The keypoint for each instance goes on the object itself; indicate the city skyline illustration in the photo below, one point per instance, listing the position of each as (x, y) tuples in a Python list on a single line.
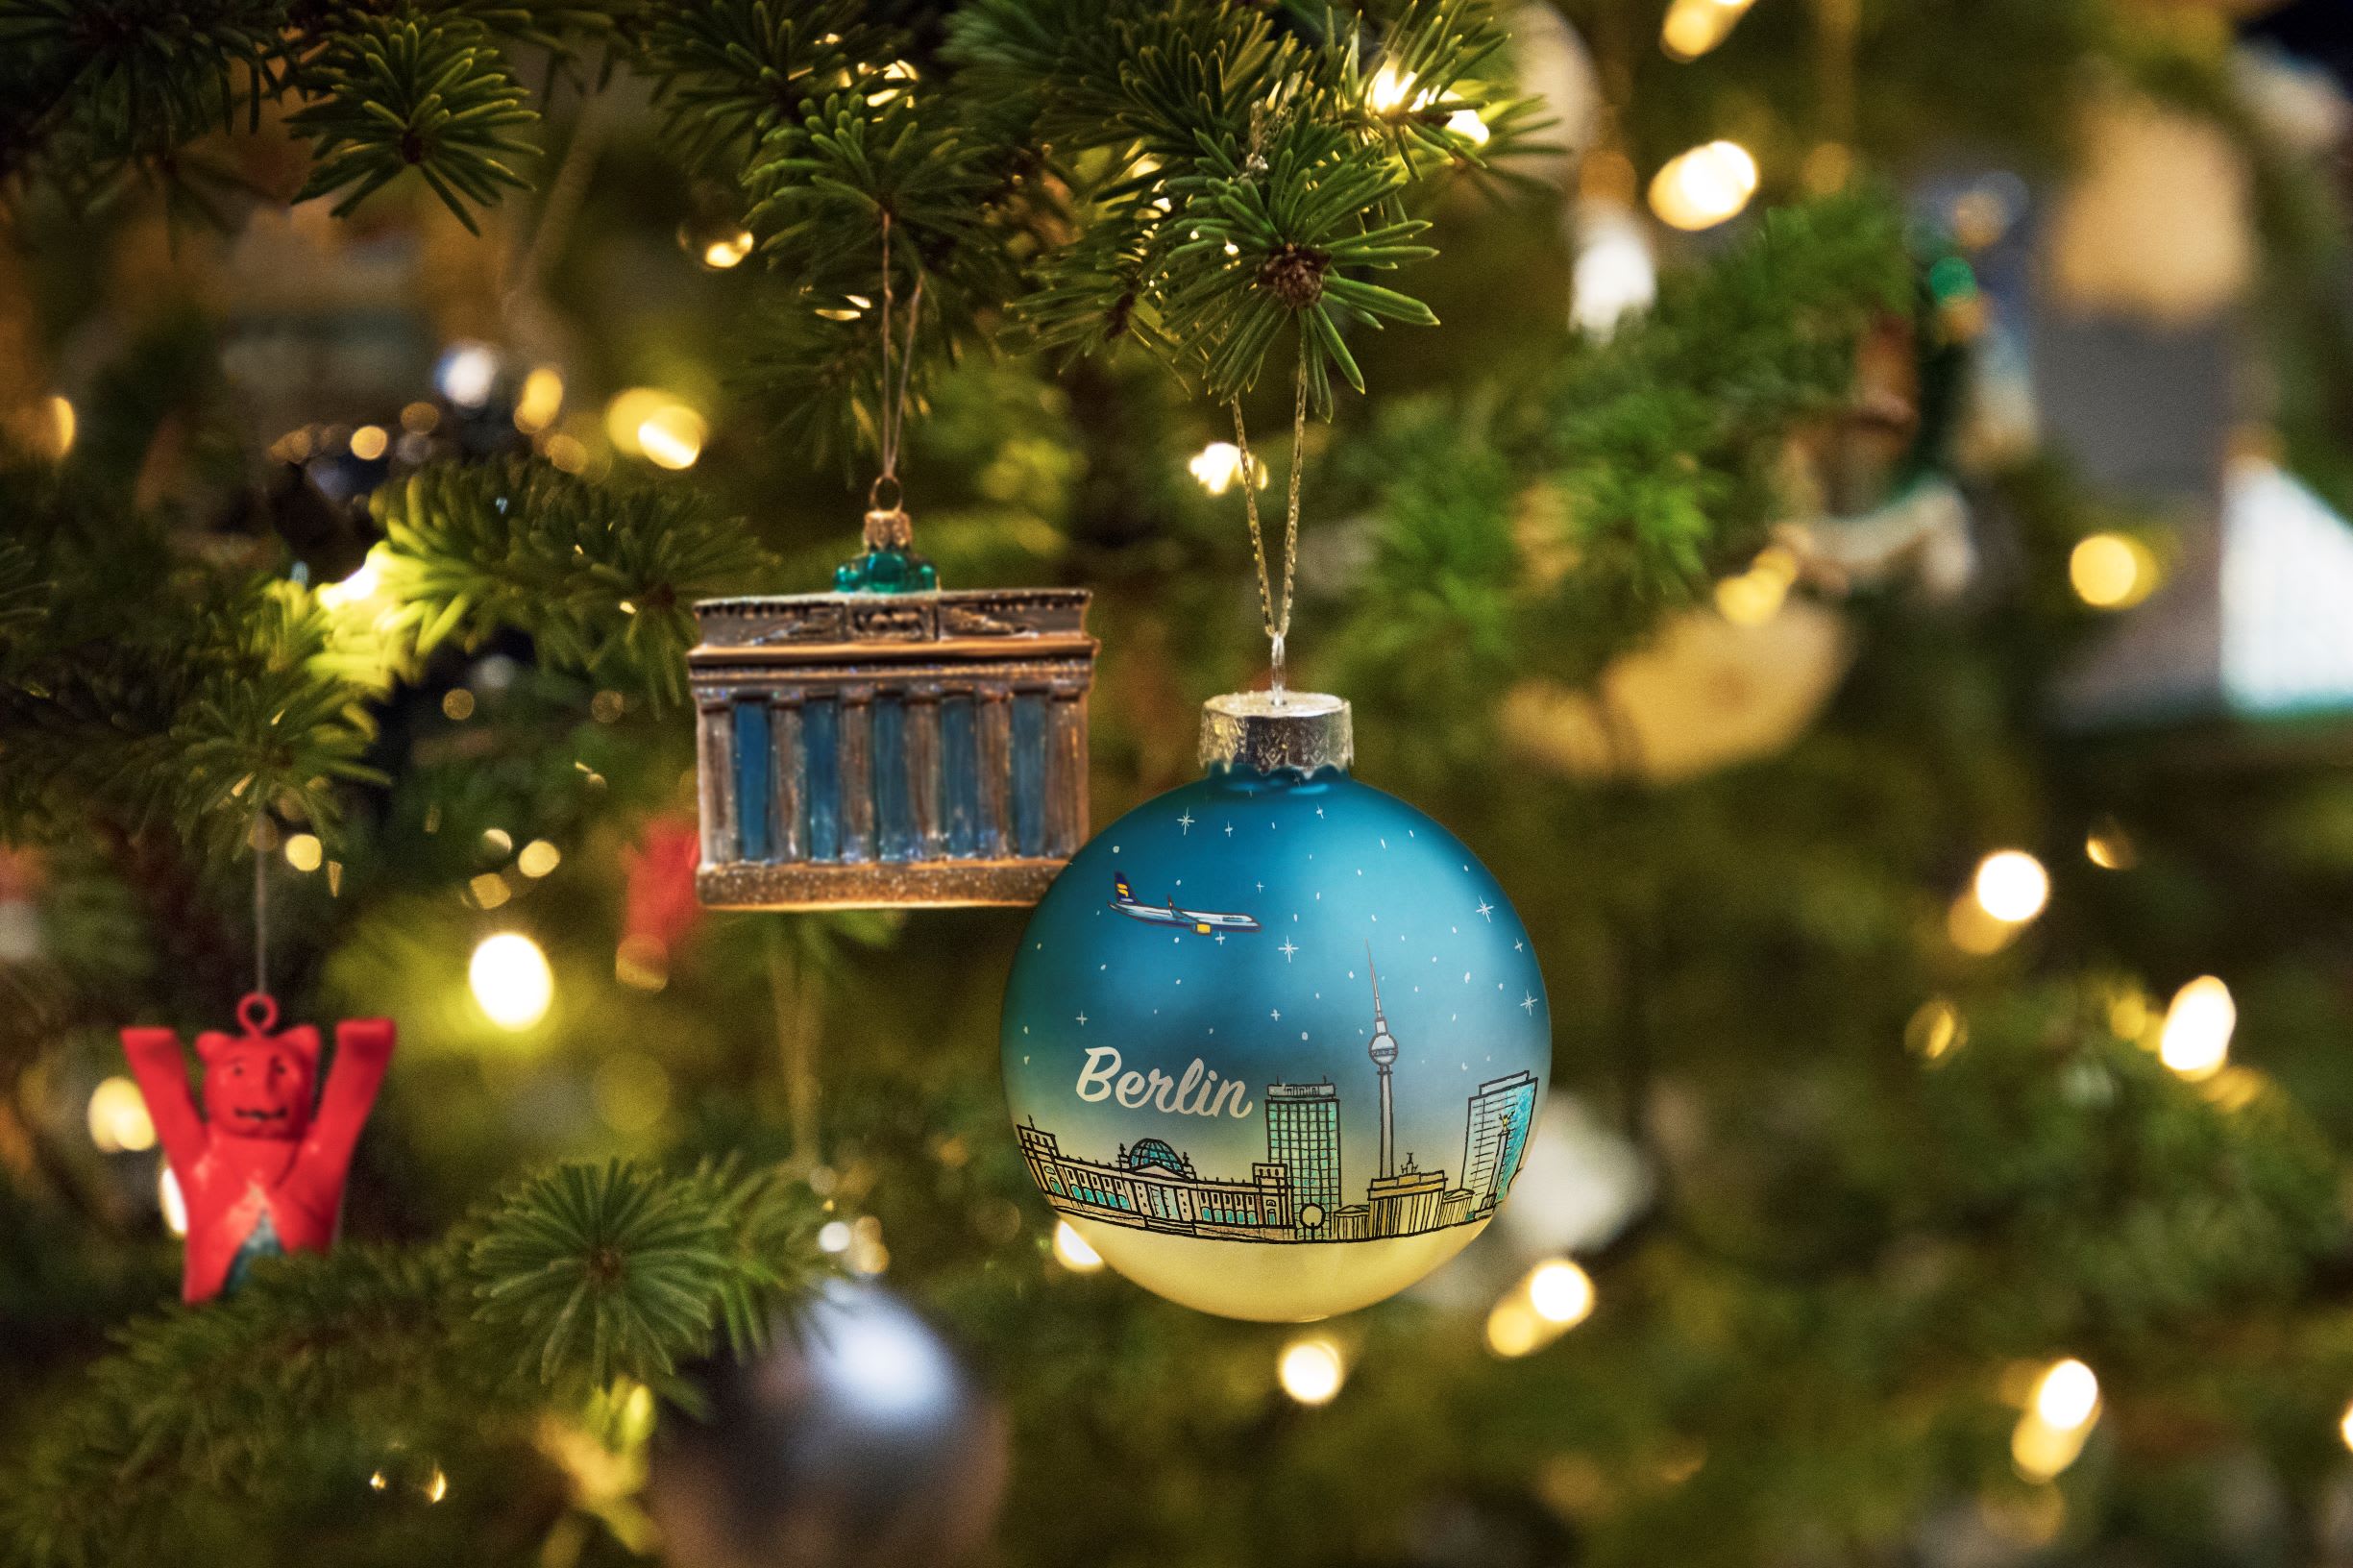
[(1363, 883)]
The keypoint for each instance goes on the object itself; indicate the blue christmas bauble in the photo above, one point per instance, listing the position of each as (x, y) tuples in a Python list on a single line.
[(1275, 1040)]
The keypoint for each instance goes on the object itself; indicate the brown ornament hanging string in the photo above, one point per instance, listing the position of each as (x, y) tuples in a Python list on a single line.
[(259, 841), (1275, 612), (888, 527)]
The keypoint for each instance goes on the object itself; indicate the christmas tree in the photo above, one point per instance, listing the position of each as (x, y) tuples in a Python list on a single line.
[(1837, 505)]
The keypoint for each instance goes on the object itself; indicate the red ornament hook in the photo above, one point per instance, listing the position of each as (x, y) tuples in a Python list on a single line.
[(257, 1011)]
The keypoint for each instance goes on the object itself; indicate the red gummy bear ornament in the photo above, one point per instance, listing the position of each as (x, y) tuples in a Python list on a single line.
[(262, 1170)]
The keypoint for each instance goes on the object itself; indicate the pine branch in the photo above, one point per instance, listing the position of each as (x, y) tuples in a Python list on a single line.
[(170, 697), (413, 91), (728, 73), (87, 87), (1649, 460), (583, 1275), (602, 575)]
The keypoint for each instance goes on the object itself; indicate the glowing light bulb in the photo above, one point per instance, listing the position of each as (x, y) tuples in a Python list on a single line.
[(2108, 847), (2112, 570), (436, 1485), (834, 1236), (168, 1198), (1388, 89), (2011, 886), (361, 588), (1560, 1292), (1703, 187), (2345, 1426), (721, 254), (1466, 124), (118, 1120), (672, 437), (1936, 1030), (628, 411), (1312, 1371), (1072, 1251), (541, 397), (511, 981), (1694, 27), (369, 441), (304, 851), (2068, 1396), (1216, 466), (61, 422), (2197, 1028), (2041, 1451), (1514, 1327), (467, 373), (539, 857)]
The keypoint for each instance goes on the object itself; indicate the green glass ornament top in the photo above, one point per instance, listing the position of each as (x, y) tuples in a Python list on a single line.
[(889, 564)]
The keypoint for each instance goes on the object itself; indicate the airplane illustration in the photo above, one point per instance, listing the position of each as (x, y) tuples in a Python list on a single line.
[(1204, 921)]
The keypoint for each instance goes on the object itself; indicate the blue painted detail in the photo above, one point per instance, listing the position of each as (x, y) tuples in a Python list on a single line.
[(820, 737), (261, 1241), (753, 754), (960, 777), (893, 802), (1029, 772)]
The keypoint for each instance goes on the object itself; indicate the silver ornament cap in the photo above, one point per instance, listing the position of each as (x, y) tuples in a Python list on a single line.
[(1272, 732)]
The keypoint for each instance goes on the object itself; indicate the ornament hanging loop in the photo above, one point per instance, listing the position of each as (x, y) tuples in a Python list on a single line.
[(1275, 611), (261, 839), (258, 1012), (891, 405)]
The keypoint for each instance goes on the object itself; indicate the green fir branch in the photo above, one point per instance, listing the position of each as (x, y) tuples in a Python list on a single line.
[(410, 91), (728, 73), (602, 575), (575, 1277)]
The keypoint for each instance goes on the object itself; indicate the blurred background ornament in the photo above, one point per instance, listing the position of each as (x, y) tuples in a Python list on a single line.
[(1709, 691), (856, 1440), (1285, 1068), (2159, 223)]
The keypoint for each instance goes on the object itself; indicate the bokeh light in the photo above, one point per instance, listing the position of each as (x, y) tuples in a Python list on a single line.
[(541, 400), (1311, 1370), (1560, 1292), (1072, 1251), (169, 1199), (511, 981), (672, 437), (2112, 570), (2011, 886), (1703, 187), (1466, 124), (2068, 1396), (118, 1120), (2197, 1028)]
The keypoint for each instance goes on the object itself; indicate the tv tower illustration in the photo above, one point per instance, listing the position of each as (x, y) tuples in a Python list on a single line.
[(1384, 1052)]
